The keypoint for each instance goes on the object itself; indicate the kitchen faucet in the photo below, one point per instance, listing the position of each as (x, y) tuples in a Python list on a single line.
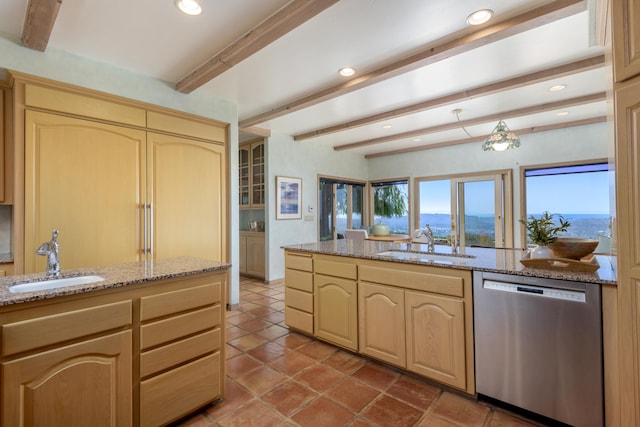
[(51, 250), (428, 233)]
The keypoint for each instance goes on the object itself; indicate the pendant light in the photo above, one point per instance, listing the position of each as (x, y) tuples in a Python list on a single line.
[(501, 138)]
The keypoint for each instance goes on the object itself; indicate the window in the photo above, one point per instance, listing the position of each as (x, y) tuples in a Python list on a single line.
[(580, 193), (472, 206), (341, 205), (390, 200)]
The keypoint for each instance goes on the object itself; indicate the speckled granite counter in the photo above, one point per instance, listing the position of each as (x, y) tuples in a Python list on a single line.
[(115, 276), (496, 260)]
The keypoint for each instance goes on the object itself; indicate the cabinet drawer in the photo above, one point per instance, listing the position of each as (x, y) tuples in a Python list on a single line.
[(176, 327), (173, 394), (299, 280), (56, 328), (299, 319), (299, 261), (337, 269), (165, 357), (298, 299), (179, 300), (430, 282), (83, 105)]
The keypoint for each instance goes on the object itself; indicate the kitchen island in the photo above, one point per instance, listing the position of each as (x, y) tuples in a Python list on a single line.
[(398, 304), (144, 346)]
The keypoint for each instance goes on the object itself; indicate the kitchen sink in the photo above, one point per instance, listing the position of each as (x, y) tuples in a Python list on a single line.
[(44, 285), (440, 258)]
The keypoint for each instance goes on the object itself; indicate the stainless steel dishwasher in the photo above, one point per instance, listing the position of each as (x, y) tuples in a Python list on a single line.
[(538, 346)]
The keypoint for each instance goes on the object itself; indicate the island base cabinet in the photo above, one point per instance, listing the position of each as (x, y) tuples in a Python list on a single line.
[(36, 389), (180, 390), (381, 323), (436, 338)]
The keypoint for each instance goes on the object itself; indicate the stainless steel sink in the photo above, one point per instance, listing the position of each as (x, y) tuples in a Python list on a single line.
[(452, 259), (43, 285)]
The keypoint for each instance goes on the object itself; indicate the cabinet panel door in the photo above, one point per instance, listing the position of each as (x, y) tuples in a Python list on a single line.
[(336, 311), (187, 185), (435, 337), (85, 180), (84, 384), (381, 323), (626, 38), (255, 256)]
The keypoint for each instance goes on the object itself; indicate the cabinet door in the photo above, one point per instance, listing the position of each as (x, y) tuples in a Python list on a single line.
[(336, 311), (626, 38), (435, 337), (84, 384), (187, 186), (255, 256), (84, 179), (243, 177), (381, 323), (257, 174), (243, 254)]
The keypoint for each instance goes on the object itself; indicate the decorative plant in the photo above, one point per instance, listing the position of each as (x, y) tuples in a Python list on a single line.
[(543, 231)]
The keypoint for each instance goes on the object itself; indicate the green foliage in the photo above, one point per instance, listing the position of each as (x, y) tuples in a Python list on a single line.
[(389, 201), (543, 231)]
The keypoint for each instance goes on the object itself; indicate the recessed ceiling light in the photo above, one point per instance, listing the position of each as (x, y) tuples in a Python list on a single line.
[(190, 7), (416, 140), (347, 71), (562, 113), (479, 17), (386, 126), (556, 88)]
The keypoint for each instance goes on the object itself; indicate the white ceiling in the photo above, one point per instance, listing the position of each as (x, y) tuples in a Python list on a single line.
[(153, 38)]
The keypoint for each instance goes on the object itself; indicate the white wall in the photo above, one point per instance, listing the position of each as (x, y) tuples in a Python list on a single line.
[(306, 160), (563, 145)]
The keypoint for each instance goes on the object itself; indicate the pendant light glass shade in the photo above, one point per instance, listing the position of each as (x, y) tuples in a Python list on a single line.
[(500, 139)]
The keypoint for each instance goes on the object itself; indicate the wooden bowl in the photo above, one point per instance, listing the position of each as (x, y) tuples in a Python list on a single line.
[(572, 248)]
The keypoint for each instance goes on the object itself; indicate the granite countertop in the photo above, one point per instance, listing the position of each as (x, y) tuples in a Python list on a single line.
[(483, 259), (115, 276)]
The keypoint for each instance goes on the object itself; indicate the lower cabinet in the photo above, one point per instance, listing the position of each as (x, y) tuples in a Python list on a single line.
[(145, 354), (298, 281), (83, 384), (252, 254)]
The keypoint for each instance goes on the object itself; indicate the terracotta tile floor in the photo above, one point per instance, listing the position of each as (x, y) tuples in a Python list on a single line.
[(281, 378)]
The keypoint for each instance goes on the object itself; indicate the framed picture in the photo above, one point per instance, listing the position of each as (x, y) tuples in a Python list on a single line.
[(288, 197)]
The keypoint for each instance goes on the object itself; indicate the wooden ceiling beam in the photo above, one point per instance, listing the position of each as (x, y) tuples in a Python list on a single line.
[(479, 120), (458, 43), (38, 23), (295, 13), (464, 95), (524, 131)]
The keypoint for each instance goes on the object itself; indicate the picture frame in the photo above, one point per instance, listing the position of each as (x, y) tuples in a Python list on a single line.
[(288, 197)]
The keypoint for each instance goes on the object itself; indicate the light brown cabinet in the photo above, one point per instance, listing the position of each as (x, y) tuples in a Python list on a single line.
[(251, 165), (336, 301), (252, 254), (145, 354), (298, 290), (418, 318), (132, 185)]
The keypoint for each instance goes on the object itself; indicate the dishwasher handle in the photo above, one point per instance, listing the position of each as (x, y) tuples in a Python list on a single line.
[(553, 293)]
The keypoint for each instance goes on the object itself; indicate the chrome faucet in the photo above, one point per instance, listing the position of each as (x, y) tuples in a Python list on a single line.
[(51, 250), (428, 233)]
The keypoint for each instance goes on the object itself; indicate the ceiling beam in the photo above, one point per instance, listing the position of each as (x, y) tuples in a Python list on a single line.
[(479, 120), (257, 131), (524, 131), (464, 95), (295, 13), (460, 42), (38, 23)]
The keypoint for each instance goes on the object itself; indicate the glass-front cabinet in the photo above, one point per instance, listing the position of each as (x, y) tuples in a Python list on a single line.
[(251, 174)]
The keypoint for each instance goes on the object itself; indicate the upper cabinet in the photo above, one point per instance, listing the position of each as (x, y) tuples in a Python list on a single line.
[(121, 181), (251, 163), (6, 148), (626, 38)]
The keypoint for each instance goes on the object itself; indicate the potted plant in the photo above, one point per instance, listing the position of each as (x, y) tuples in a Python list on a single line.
[(544, 231)]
